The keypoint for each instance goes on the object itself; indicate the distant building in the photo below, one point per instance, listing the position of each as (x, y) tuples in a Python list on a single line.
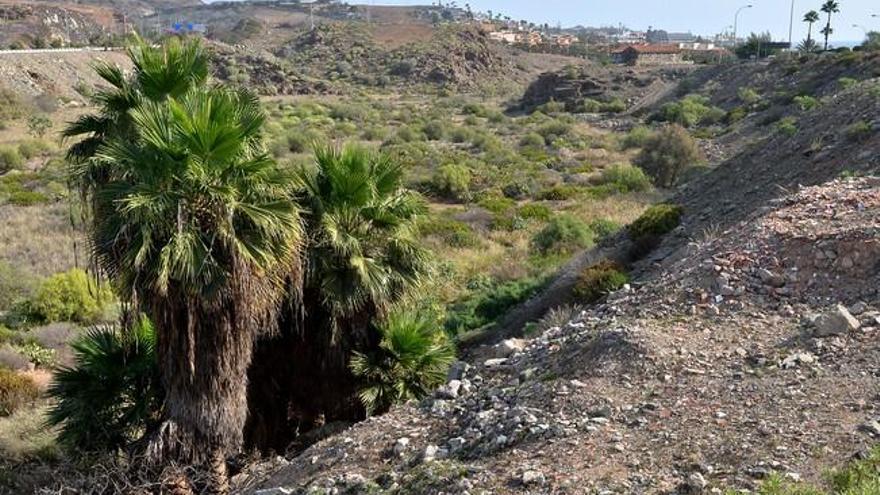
[(649, 54), (698, 46), (659, 36), (564, 40), (509, 37), (631, 38)]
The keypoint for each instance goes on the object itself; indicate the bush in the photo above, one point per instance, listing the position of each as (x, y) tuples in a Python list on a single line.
[(748, 96), (413, 359), (38, 125), (452, 181), (553, 130), (562, 235), (616, 105), (532, 140), (806, 103), (735, 115), (787, 126), (70, 296), (559, 192), (452, 232), (27, 198), (16, 391), (10, 158), (596, 281), (434, 130), (860, 131), (653, 224), (667, 153), (33, 147), (847, 82), (535, 211), (15, 286), (626, 177), (488, 303), (461, 135), (690, 111), (604, 228), (497, 204), (112, 394), (636, 137)]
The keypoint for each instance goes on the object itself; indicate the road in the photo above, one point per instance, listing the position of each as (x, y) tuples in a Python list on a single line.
[(59, 50)]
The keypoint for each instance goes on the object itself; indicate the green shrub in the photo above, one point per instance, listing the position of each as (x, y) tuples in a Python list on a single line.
[(748, 96), (596, 281), (860, 131), (666, 155), (497, 204), (616, 105), (551, 107), (33, 147), (15, 286), (604, 228), (452, 232), (412, 360), (658, 220), (70, 296), (626, 177), (111, 395), (488, 303), (452, 181), (554, 129), (562, 235), (434, 130), (590, 105), (407, 134), (735, 115), (461, 135), (787, 126), (38, 125), (474, 109), (690, 111), (559, 192), (27, 198), (532, 140), (10, 158), (535, 211), (806, 103), (847, 82), (37, 354), (16, 391), (636, 137)]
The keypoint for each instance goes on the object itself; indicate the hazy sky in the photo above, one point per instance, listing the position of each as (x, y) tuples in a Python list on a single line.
[(699, 16)]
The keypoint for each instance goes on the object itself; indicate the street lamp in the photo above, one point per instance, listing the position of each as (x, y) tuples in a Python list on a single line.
[(791, 25), (736, 21)]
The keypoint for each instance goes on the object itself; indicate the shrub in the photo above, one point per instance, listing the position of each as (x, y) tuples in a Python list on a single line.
[(10, 158), (748, 96), (666, 154), (562, 235), (847, 82), (860, 131), (517, 189), (554, 129), (806, 103), (33, 147), (596, 281), (37, 354), (532, 140), (735, 115), (535, 211), (559, 192), (461, 135), (604, 228), (474, 109), (689, 111), (15, 286), (434, 130), (551, 107), (413, 358), (16, 391), (452, 232), (70, 296), (27, 198), (616, 105), (497, 204), (452, 181), (787, 126), (626, 178), (38, 125), (636, 137), (658, 220), (488, 303), (112, 394)]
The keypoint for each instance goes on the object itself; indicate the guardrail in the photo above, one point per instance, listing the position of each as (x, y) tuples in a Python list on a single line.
[(28, 51)]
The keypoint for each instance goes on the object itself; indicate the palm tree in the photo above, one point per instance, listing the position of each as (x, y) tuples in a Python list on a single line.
[(362, 256), (811, 18), (196, 227), (413, 359), (829, 7)]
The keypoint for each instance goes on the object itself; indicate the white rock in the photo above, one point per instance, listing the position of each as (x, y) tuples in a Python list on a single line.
[(430, 453), (274, 491), (696, 483), (449, 391), (494, 363), (836, 322), (456, 444), (509, 347), (531, 477), (401, 445)]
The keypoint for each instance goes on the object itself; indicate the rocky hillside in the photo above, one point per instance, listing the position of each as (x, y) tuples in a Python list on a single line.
[(744, 348)]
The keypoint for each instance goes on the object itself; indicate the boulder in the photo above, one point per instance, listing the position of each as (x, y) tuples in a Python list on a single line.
[(837, 321)]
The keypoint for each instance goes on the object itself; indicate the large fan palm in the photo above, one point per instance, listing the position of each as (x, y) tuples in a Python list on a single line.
[(362, 257), (195, 225), (811, 18), (830, 7)]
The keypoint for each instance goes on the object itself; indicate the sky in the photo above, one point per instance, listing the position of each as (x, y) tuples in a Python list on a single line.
[(699, 16)]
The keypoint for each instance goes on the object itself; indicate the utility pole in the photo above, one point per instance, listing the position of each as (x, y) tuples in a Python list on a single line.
[(791, 26), (736, 22), (312, 15)]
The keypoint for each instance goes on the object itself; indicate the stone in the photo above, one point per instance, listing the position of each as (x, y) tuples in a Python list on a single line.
[(494, 363), (401, 445), (770, 278), (696, 483), (430, 453), (532, 477), (858, 308), (274, 491), (871, 427), (457, 370), (449, 391), (456, 444), (835, 322), (798, 358), (509, 347)]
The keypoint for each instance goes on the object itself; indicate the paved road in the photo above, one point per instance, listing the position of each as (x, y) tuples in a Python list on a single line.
[(59, 50)]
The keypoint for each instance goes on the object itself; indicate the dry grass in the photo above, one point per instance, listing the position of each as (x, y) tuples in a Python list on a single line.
[(24, 435), (37, 239)]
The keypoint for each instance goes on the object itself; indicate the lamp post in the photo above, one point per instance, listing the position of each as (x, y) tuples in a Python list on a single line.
[(736, 22)]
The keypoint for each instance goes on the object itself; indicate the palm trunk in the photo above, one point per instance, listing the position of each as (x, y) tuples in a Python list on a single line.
[(301, 378), (809, 33), (828, 31)]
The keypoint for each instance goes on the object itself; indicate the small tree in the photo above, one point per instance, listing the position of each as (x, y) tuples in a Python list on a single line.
[(38, 125), (666, 155)]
